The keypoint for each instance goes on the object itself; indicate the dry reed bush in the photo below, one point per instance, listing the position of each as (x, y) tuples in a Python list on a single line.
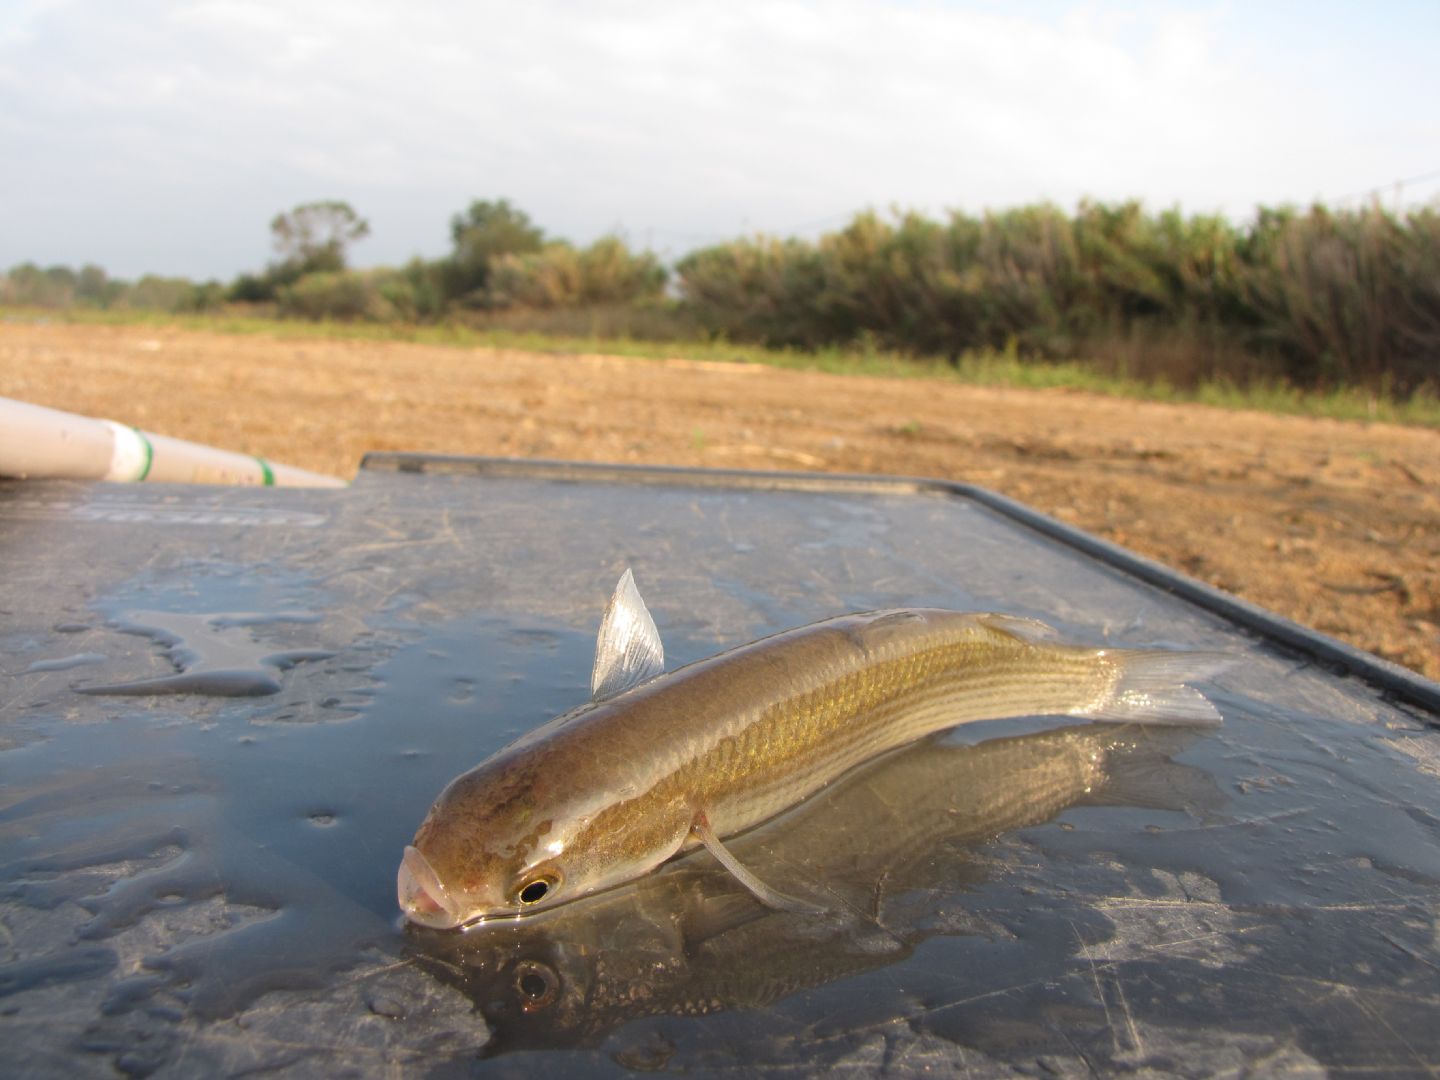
[(1322, 299)]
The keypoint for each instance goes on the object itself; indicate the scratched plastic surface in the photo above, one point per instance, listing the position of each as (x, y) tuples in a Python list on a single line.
[(224, 713)]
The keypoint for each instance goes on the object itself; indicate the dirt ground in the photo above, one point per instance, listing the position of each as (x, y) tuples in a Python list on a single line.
[(1333, 524)]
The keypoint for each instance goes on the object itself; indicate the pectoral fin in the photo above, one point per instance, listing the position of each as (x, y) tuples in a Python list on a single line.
[(628, 650), (702, 831)]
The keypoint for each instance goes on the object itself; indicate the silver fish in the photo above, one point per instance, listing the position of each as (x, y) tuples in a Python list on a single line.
[(655, 764), (895, 848)]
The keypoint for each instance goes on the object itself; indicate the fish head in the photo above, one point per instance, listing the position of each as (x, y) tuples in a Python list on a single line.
[(506, 839)]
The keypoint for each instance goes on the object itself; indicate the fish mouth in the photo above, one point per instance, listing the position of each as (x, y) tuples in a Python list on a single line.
[(422, 897)]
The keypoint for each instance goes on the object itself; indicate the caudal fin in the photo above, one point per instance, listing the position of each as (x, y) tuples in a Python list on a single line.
[(1152, 687)]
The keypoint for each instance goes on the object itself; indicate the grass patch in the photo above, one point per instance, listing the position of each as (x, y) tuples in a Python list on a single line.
[(995, 369)]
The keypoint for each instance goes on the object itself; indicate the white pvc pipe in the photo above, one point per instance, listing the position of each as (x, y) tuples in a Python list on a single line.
[(36, 442)]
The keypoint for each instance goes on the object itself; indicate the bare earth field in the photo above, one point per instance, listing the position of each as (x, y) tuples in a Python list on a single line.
[(1333, 524)]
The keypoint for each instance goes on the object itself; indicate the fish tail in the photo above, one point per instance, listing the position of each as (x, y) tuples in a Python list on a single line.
[(1152, 687)]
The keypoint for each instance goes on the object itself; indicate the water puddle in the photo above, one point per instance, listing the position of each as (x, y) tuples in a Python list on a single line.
[(232, 859), (214, 654)]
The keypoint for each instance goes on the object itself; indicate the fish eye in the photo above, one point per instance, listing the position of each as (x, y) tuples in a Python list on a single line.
[(536, 889), (537, 985)]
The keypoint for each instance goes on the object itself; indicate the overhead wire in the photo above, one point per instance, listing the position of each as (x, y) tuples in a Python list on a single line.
[(1399, 185)]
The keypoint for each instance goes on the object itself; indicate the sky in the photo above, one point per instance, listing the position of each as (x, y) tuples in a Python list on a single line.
[(159, 137)]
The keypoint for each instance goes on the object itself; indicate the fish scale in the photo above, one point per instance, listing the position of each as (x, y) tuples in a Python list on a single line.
[(798, 745)]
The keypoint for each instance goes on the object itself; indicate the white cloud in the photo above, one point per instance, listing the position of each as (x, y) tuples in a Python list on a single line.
[(676, 121)]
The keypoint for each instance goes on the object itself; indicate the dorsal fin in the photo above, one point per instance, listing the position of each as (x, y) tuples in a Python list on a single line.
[(628, 650), (1018, 626)]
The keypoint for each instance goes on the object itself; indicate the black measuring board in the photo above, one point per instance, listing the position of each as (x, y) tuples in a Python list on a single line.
[(199, 879)]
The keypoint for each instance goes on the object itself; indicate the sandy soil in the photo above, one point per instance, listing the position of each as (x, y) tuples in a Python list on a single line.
[(1333, 524)]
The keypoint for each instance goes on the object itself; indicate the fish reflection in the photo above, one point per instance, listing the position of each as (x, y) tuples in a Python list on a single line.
[(886, 852)]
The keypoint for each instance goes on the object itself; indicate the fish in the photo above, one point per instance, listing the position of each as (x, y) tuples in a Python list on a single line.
[(898, 848), (659, 763)]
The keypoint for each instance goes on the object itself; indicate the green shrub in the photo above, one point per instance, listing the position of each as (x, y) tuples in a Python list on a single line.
[(763, 289), (1323, 299), (30, 285), (155, 293), (558, 275), (610, 273), (1347, 297), (345, 296), (547, 278)]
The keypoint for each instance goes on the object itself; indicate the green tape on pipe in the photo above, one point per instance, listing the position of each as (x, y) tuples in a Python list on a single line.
[(149, 455)]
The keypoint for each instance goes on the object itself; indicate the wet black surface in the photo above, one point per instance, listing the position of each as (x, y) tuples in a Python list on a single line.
[(197, 877)]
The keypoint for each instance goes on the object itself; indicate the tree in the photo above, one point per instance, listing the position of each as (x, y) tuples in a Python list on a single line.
[(314, 236), (486, 231), (94, 286)]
